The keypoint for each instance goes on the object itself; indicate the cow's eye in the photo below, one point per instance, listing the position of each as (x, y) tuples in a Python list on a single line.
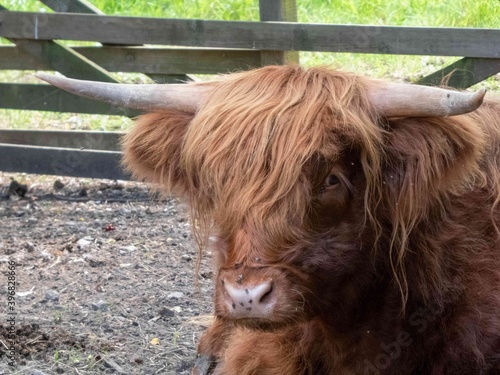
[(329, 183), (332, 180)]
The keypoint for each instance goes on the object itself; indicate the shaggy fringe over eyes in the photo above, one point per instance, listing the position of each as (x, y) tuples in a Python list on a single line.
[(241, 160), (245, 151)]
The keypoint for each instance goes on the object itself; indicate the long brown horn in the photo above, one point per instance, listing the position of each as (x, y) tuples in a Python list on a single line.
[(149, 97), (405, 100)]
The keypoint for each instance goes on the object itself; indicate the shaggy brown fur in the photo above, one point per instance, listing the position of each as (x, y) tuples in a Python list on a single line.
[(390, 267)]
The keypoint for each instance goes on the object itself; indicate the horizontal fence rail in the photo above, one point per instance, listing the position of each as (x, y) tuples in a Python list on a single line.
[(62, 162), (279, 36), (72, 153), (145, 59), (91, 140), (27, 96)]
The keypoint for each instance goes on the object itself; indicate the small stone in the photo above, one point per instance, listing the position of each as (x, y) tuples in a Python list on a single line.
[(82, 228), (104, 186), (36, 372), (19, 213), (100, 305), (17, 189), (51, 295), (29, 247), (171, 242), (175, 295), (186, 257), (129, 248), (10, 251), (95, 262), (166, 312), (84, 242), (99, 288), (58, 185)]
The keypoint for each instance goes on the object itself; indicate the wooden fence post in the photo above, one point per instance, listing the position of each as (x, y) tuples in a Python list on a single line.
[(278, 10)]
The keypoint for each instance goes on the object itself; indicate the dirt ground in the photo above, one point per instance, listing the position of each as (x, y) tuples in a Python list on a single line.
[(104, 279)]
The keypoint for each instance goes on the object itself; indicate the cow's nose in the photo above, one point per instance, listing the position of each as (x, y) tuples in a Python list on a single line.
[(249, 301)]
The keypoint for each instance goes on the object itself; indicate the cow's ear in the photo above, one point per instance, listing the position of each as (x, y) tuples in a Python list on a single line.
[(426, 161), (152, 149)]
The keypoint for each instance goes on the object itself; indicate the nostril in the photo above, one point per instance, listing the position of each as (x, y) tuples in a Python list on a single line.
[(261, 292), (266, 295)]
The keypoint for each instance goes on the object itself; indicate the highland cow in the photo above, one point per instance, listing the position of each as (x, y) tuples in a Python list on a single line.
[(356, 220)]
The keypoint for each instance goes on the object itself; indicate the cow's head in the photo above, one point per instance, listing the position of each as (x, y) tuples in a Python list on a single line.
[(295, 175)]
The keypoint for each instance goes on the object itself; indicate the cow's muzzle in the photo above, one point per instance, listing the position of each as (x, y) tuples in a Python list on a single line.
[(259, 297), (248, 299)]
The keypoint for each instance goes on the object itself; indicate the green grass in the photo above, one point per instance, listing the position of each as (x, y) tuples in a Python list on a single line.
[(449, 13), (445, 13)]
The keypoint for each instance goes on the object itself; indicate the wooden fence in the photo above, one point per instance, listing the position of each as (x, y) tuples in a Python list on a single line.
[(138, 45)]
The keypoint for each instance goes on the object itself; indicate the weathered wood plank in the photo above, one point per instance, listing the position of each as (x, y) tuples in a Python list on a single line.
[(464, 73), (146, 60), (171, 61), (62, 162), (72, 6), (253, 35), (55, 56), (12, 58), (89, 140), (80, 6), (281, 11), (47, 98)]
